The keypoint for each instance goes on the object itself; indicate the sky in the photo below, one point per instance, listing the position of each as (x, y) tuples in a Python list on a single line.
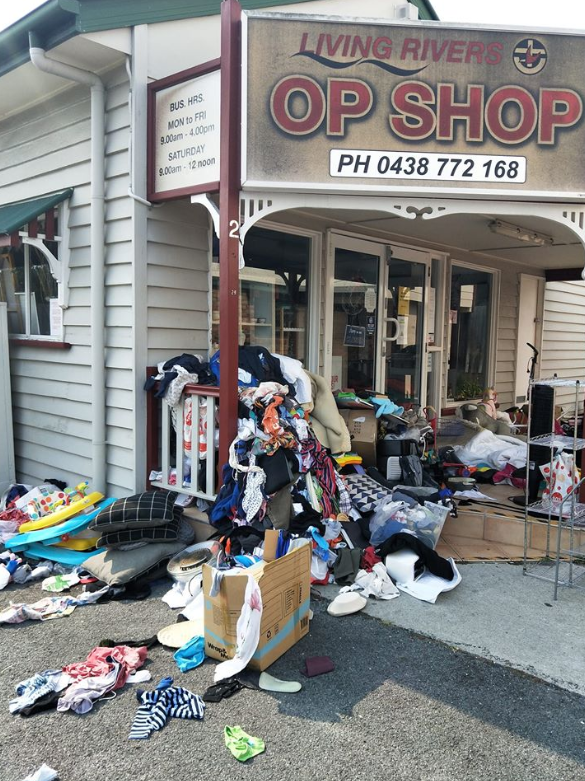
[(564, 14), (568, 14)]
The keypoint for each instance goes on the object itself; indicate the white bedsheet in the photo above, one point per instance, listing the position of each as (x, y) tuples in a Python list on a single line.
[(494, 450)]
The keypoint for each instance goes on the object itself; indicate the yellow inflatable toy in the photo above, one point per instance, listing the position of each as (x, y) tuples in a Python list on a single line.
[(62, 514)]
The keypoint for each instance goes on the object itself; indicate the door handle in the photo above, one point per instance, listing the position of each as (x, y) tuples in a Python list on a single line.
[(395, 322)]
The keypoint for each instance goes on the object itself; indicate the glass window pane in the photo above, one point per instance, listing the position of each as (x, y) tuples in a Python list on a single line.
[(43, 290), (353, 363), (405, 301), (274, 292), (469, 323), (12, 288)]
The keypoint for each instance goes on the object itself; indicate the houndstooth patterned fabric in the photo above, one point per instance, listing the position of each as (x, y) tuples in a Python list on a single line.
[(365, 493)]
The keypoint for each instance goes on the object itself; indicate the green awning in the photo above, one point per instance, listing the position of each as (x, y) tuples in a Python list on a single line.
[(16, 215)]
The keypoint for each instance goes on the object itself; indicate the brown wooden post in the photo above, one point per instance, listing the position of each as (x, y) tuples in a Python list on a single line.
[(50, 225), (33, 229), (229, 224)]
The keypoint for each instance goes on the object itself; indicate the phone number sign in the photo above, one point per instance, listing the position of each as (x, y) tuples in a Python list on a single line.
[(337, 105), (431, 166)]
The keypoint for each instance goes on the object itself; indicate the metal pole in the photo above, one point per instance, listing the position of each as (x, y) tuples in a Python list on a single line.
[(229, 223)]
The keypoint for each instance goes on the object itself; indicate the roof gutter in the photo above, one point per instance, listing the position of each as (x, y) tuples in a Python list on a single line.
[(97, 249)]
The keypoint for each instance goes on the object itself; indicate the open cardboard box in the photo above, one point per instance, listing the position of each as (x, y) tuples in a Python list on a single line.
[(363, 431), (285, 587)]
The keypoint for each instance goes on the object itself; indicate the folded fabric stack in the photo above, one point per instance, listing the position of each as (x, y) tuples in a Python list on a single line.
[(139, 535)]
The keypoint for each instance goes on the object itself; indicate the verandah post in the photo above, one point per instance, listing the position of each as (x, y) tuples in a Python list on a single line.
[(229, 223)]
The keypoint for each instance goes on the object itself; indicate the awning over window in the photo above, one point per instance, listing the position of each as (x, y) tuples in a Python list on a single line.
[(14, 216)]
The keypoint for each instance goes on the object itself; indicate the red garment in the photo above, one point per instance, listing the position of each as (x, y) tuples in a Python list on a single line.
[(369, 558), (14, 515), (97, 663), (505, 474)]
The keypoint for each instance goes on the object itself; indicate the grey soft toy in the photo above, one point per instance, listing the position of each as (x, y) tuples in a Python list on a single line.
[(473, 413)]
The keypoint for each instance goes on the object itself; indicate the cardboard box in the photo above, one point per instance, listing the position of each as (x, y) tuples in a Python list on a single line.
[(363, 430), (285, 586)]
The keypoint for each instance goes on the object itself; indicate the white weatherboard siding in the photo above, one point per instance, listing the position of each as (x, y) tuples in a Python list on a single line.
[(44, 149), (178, 281), (507, 329), (563, 335)]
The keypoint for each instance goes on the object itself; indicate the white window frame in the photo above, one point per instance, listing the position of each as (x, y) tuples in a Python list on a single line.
[(493, 326), (59, 268)]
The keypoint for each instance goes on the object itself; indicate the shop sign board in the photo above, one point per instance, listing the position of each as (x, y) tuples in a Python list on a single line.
[(184, 133), (375, 106), (355, 336)]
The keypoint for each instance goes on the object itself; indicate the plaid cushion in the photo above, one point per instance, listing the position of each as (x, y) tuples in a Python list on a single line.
[(365, 492), (151, 508), (169, 532)]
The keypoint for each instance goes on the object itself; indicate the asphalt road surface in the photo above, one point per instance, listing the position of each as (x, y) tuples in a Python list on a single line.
[(397, 707)]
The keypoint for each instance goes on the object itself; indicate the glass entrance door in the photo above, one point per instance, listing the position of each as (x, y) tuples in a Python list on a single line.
[(403, 345), (383, 321), (354, 328)]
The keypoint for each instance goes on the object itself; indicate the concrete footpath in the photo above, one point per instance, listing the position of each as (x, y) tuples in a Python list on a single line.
[(501, 615)]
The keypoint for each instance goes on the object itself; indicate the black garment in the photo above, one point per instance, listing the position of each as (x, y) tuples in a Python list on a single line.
[(376, 475), (261, 364), (280, 469), (136, 590), (60, 484), (46, 702), (245, 679), (240, 540), (190, 363), (222, 690), (435, 564), (307, 517), (300, 523), (412, 473)]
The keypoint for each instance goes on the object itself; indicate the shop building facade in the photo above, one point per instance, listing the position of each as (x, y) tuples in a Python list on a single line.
[(427, 289)]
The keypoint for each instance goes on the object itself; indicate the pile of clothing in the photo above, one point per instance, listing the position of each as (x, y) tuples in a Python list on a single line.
[(76, 687), (256, 365), (280, 475)]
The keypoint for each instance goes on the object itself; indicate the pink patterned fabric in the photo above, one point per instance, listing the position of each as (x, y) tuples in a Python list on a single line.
[(97, 663)]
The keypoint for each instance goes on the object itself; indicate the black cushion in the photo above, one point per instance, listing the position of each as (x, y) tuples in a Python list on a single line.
[(168, 532), (151, 508)]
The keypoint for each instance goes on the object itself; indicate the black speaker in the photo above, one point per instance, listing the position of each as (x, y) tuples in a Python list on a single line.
[(541, 422)]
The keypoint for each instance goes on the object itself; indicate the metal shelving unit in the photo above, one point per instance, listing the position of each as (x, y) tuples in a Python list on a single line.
[(565, 516)]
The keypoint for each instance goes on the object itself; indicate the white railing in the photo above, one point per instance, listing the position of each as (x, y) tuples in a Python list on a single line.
[(192, 428)]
